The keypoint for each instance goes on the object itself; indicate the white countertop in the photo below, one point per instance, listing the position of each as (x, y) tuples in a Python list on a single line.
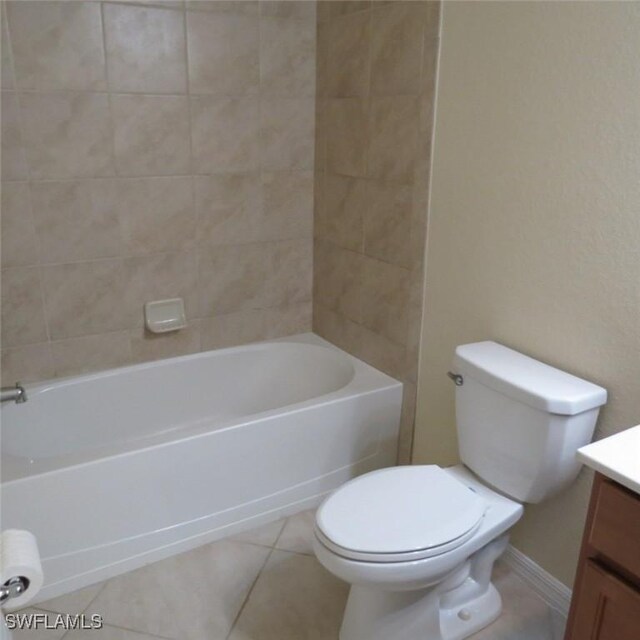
[(617, 457)]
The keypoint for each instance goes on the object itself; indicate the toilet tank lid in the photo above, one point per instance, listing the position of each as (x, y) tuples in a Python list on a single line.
[(527, 380)]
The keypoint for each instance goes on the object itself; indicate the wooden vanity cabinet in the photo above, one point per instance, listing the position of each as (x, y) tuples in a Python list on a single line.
[(606, 593)]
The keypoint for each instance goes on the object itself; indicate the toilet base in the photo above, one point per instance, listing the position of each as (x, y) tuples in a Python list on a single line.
[(482, 612), (459, 606)]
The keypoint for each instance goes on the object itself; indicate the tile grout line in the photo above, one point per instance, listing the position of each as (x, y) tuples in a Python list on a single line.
[(284, 524), (246, 599), (274, 548), (21, 129), (158, 254), (197, 246), (106, 624), (130, 329), (249, 592), (114, 160), (144, 635), (100, 590)]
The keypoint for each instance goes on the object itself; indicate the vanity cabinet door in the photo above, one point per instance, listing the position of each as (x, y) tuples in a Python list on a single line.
[(606, 607)]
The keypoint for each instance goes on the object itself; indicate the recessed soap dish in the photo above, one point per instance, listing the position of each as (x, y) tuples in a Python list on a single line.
[(161, 316)]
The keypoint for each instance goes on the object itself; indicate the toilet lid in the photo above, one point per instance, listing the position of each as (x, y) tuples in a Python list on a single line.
[(419, 511)]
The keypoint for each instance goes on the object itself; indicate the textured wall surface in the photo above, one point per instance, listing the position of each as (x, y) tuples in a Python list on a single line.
[(534, 229), (153, 150), (375, 88)]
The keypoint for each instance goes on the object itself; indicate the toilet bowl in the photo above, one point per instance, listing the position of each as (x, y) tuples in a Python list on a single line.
[(417, 582), (418, 543)]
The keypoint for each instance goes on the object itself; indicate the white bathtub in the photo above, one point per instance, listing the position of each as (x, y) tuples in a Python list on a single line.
[(117, 469)]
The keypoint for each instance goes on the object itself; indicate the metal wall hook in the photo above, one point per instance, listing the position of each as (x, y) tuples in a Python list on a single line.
[(456, 377)]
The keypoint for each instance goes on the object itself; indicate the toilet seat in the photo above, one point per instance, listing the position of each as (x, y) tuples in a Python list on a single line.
[(399, 514)]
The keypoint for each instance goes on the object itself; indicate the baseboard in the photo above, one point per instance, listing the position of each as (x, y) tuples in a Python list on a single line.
[(551, 590)]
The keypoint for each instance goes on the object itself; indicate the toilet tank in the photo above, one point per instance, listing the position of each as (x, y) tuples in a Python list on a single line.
[(520, 422)]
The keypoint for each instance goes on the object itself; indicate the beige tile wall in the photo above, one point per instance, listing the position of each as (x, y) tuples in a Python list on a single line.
[(152, 150), (376, 64)]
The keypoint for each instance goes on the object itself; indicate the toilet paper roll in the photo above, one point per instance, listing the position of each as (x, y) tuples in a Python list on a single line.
[(19, 556)]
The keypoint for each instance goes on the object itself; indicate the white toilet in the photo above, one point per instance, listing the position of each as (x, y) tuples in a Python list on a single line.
[(418, 543)]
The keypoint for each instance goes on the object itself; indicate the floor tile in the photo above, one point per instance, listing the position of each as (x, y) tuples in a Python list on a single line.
[(265, 535), (74, 602), (197, 596), (192, 596), (297, 534), (108, 633), (294, 598)]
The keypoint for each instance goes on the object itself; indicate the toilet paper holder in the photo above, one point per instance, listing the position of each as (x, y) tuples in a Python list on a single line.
[(13, 588)]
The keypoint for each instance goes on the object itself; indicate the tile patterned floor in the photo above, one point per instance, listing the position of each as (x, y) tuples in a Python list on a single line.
[(261, 585)]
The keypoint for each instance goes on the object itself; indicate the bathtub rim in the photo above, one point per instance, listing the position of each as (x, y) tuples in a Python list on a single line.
[(366, 379)]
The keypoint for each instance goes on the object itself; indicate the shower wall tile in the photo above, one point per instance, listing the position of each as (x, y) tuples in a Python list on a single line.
[(432, 24), (290, 272), (380, 352), (223, 53), (323, 11), (57, 45), (229, 208), (288, 205), (319, 198), (396, 48), (14, 161), (348, 55), (156, 214), (385, 299), (414, 320), (346, 205), (30, 363), (407, 418), (336, 328), (158, 277), (7, 77), (231, 329), (22, 312), (161, 4), (338, 280), (342, 7), (287, 57), (375, 71), (225, 134), (347, 136), (301, 9), (80, 355), (76, 220), (146, 49), (393, 138), (146, 346), (84, 298), (67, 135), (388, 221), (232, 278), (288, 320), (151, 134), (287, 128), (19, 244), (153, 149), (247, 7), (322, 49)]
